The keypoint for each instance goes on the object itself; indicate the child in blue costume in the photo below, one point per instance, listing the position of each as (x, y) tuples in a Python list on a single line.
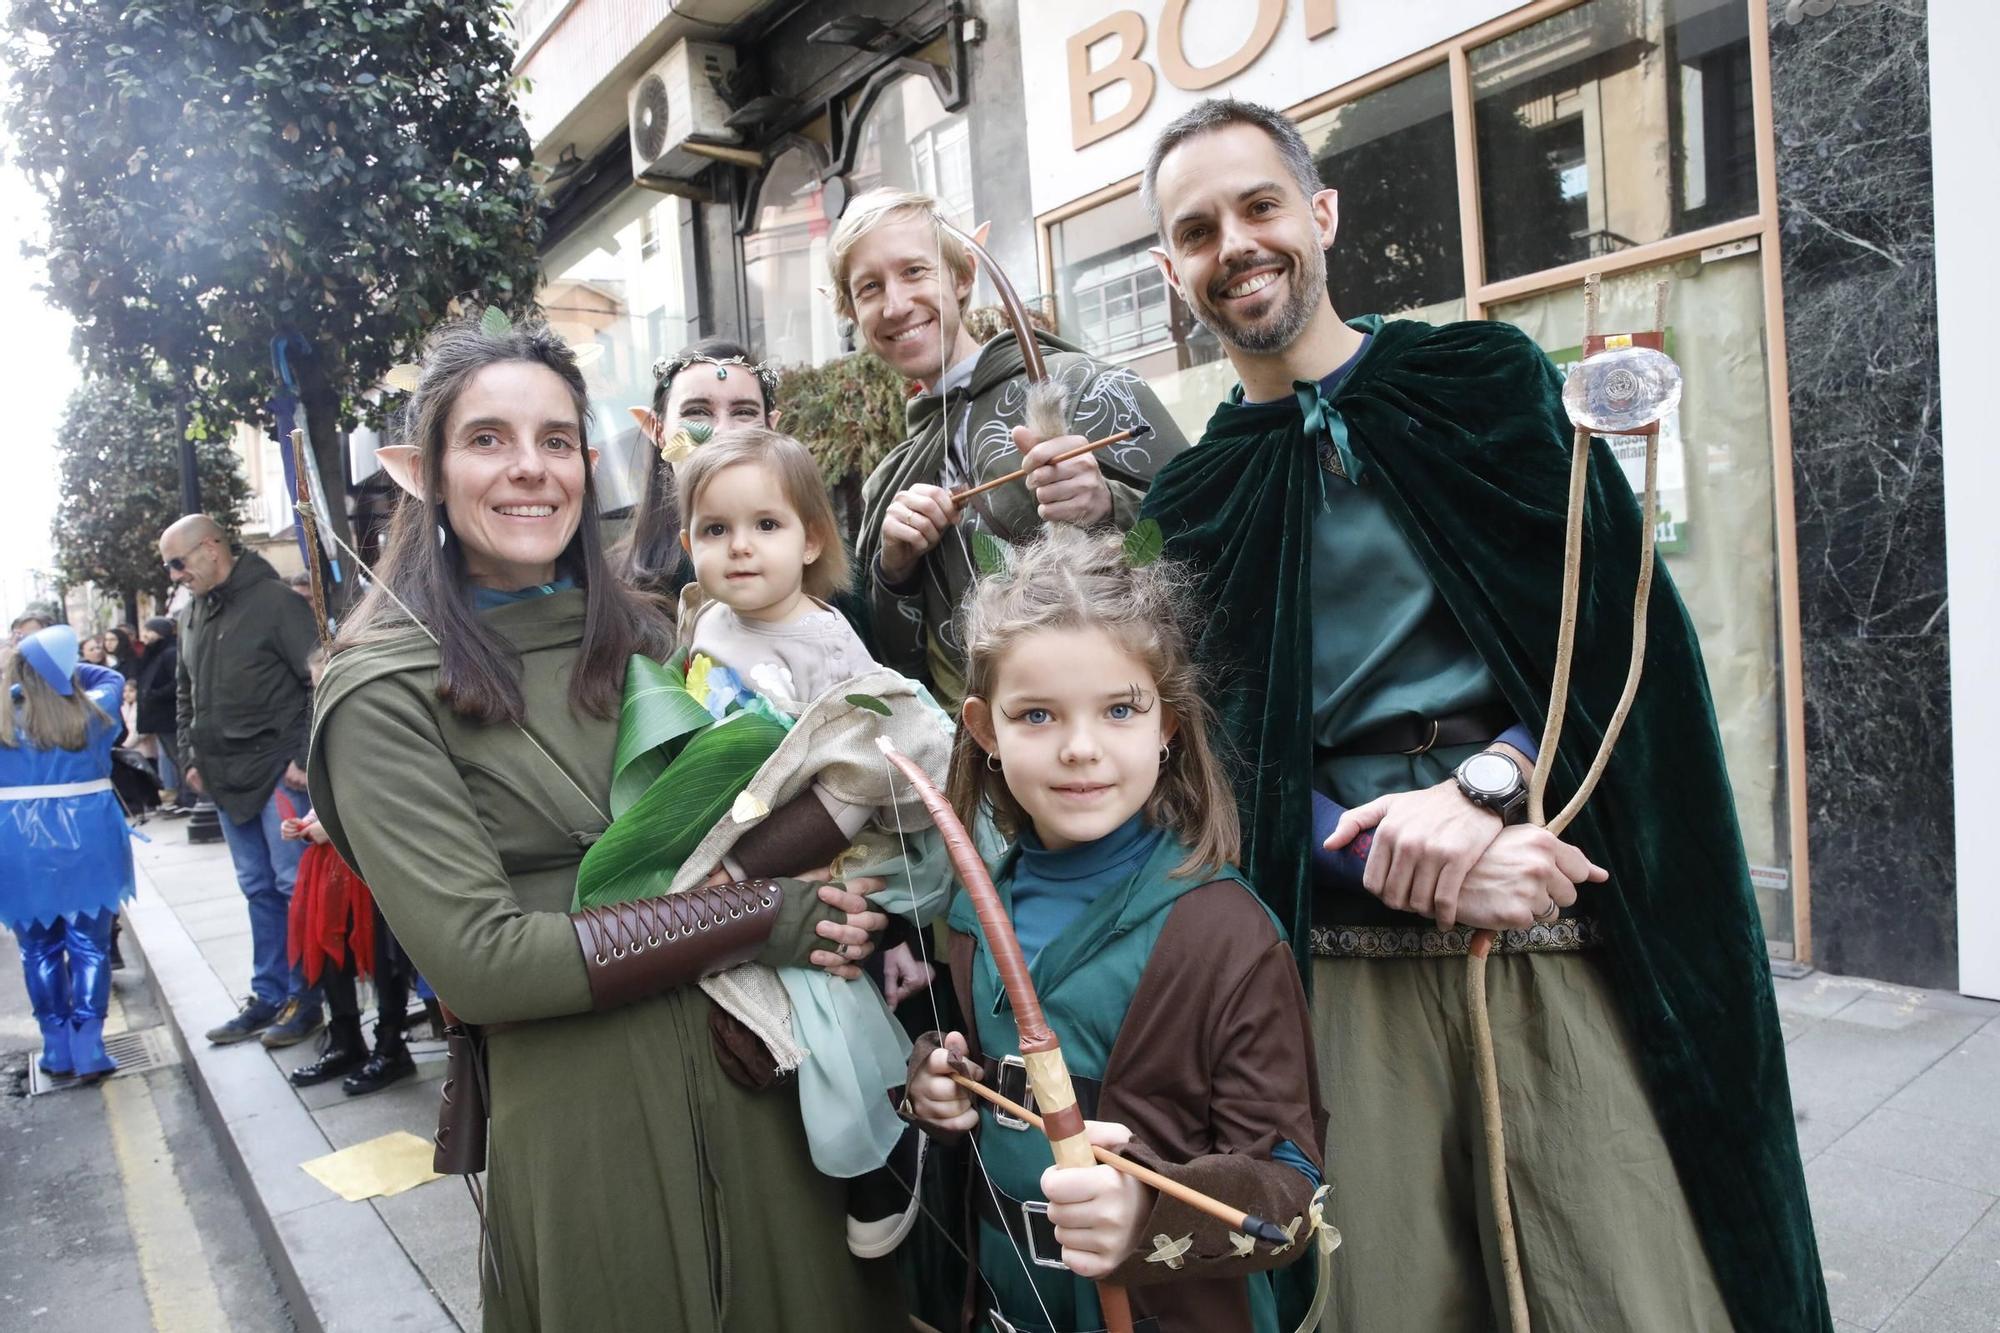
[(65, 850), (1181, 1015)]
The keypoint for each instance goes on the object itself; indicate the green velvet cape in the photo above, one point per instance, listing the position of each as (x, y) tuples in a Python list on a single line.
[(1462, 429)]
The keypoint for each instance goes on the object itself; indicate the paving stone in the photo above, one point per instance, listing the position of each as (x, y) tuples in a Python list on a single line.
[(439, 1228), (1920, 1315), (410, 1105), (1865, 1279), (1841, 1071), (1963, 1086), (1892, 1208), (1967, 1283), (349, 1263), (1942, 1150), (1817, 996)]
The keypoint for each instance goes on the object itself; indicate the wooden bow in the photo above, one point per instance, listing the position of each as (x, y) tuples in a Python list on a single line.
[(1047, 413), (1048, 1075)]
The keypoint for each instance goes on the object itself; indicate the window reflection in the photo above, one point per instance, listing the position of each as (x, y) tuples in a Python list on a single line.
[(1390, 156), (1613, 124), (613, 290)]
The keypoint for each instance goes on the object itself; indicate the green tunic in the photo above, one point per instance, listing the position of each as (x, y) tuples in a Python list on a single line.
[(632, 1185)]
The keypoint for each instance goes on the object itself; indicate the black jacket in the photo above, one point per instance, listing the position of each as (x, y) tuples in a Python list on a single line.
[(244, 696), (158, 688)]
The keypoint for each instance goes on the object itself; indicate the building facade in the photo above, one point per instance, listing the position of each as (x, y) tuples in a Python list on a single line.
[(1771, 161)]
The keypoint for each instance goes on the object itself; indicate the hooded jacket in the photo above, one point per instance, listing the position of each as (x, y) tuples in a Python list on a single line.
[(243, 693), (964, 437)]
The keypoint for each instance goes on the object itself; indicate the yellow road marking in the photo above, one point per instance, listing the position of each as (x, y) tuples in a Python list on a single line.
[(174, 1270)]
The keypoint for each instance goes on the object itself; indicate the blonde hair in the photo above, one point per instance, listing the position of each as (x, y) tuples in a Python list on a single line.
[(50, 721), (876, 208), (1068, 579), (798, 477)]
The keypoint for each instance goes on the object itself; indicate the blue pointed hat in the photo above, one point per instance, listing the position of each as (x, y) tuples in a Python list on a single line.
[(53, 653)]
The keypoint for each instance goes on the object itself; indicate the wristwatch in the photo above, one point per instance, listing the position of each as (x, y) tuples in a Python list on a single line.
[(1491, 781)]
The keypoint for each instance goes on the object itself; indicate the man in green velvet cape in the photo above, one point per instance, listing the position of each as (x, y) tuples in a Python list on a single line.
[(1376, 523)]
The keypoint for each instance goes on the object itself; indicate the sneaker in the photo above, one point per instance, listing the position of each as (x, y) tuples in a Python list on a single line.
[(253, 1018), (295, 1022), (176, 811), (389, 1064), (882, 1205)]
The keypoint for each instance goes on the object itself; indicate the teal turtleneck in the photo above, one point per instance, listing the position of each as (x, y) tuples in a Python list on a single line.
[(488, 599), (1052, 888)]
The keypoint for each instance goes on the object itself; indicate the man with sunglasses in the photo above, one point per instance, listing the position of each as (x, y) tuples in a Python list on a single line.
[(244, 698)]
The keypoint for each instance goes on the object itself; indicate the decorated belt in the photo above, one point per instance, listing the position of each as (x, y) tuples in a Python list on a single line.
[(55, 789), (1565, 935)]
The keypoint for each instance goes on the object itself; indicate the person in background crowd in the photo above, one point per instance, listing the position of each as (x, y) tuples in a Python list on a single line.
[(134, 776), (243, 704), (26, 624), (65, 851), (301, 584), (158, 666), (91, 649), (120, 653)]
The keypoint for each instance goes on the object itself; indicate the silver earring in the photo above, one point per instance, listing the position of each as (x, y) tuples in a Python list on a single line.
[(1166, 753), (992, 762)]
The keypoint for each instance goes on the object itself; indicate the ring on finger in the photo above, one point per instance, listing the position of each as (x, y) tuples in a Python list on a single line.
[(1549, 913)]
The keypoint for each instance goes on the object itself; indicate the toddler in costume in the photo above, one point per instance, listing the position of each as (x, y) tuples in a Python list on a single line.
[(767, 554), (1182, 1019)]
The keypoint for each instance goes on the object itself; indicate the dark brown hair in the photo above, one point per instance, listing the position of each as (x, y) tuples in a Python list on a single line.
[(1068, 579), (650, 556), (479, 673)]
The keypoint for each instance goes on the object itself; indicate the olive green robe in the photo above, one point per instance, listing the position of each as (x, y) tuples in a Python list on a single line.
[(631, 1184)]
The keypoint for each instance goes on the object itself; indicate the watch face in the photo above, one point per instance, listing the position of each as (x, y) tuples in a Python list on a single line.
[(1491, 774)]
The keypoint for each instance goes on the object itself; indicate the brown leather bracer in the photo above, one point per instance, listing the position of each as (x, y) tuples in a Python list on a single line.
[(640, 948)]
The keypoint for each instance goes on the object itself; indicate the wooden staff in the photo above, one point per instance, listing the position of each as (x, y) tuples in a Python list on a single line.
[(1118, 437), (1248, 1223)]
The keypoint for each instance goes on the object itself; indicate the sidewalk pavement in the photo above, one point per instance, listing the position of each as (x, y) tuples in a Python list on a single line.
[(1897, 1095)]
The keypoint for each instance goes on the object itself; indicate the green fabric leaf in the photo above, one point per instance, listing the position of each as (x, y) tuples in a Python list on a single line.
[(988, 554), (1143, 544), (657, 712), (494, 323), (871, 703), (640, 853)]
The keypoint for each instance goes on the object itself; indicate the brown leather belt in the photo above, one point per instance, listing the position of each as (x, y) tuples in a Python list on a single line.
[(1419, 735)]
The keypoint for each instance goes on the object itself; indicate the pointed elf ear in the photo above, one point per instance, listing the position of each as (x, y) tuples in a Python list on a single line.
[(980, 232), (649, 424), (404, 464)]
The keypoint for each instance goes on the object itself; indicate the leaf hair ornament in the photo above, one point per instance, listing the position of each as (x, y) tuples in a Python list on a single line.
[(680, 446)]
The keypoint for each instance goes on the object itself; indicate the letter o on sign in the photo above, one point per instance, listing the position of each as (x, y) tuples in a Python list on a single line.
[(1173, 56)]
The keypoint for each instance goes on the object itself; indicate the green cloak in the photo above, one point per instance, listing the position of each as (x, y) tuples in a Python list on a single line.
[(1462, 428)]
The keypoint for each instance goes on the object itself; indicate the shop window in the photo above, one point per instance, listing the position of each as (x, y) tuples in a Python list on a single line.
[(1717, 529), (1391, 157), (1613, 124), (614, 296), (909, 141), (1398, 253)]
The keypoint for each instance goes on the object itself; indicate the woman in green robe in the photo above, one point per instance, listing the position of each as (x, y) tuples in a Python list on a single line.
[(461, 761)]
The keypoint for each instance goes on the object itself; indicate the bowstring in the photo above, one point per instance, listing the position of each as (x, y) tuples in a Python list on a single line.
[(305, 511), (972, 1135)]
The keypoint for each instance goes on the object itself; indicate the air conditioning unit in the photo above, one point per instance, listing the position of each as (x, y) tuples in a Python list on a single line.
[(677, 103)]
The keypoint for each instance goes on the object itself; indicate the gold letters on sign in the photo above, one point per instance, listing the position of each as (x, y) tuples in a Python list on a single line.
[(1126, 64)]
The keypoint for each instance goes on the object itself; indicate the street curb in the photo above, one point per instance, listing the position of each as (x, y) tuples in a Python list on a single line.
[(338, 1265)]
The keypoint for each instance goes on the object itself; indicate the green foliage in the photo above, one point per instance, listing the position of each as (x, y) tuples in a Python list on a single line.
[(849, 413), (988, 554), (120, 467), (870, 703), (217, 174), (1144, 543)]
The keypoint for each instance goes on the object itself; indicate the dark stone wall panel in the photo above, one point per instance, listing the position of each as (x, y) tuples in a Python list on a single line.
[(1850, 92)]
